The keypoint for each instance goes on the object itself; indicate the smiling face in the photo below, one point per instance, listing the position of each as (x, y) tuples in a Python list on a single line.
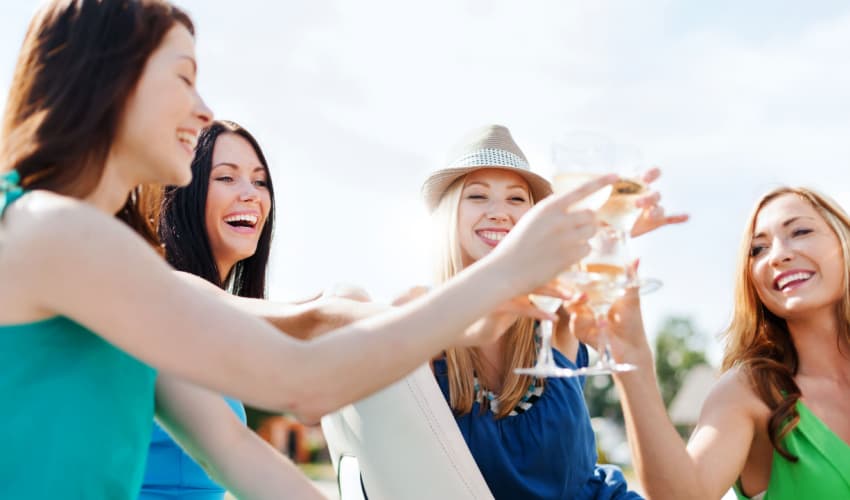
[(164, 114), (796, 263), (238, 201), (491, 203)]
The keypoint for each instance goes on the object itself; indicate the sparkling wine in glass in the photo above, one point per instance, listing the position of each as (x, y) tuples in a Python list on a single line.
[(603, 279)]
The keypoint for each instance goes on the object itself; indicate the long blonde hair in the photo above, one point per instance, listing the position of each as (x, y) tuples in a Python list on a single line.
[(464, 362), (758, 341)]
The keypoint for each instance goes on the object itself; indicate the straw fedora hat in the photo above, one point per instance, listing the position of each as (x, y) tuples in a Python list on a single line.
[(487, 147)]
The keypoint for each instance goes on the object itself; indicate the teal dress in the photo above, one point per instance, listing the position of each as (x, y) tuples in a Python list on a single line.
[(76, 410)]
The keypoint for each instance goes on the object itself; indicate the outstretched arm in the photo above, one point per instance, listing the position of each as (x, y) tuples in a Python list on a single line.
[(106, 279), (718, 449)]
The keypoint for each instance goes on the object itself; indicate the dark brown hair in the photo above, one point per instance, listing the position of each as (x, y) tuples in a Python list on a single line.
[(79, 62)]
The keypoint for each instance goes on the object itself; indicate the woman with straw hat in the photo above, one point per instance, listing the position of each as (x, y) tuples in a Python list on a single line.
[(530, 437)]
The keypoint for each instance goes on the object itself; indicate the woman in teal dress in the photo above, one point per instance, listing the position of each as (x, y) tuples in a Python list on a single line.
[(97, 333), (775, 425)]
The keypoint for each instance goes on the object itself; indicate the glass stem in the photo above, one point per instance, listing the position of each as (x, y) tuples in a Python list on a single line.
[(625, 240), (603, 346), (545, 358)]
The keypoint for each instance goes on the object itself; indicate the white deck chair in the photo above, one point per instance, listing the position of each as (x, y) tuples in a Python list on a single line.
[(407, 445)]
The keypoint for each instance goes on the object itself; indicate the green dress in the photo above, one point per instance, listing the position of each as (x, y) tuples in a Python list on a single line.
[(823, 468), (76, 410)]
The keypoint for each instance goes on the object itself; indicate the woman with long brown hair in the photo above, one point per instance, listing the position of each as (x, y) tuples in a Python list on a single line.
[(775, 425), (95, 327)]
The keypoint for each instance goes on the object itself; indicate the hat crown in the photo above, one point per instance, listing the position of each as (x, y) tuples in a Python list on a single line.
[(487, 147), (490, 142)]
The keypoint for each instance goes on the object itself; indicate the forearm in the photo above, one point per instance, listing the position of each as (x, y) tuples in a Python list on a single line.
[(361, 358), (255, 470), (662, 462)]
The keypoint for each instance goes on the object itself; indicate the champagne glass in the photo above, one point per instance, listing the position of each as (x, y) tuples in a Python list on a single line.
[(603, 279), (620, 210), (545, 365), (579, 157)]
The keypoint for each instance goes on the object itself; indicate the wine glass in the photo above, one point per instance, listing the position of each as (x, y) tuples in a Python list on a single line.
[(603, 279), (579, 157), (582, 156), (545, 365)]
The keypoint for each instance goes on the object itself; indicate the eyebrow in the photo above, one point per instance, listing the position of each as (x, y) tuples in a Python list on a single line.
[(236, 167), (482, 183), (785, 224)]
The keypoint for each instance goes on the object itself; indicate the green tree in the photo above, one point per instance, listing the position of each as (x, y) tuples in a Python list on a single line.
[(678, 348)]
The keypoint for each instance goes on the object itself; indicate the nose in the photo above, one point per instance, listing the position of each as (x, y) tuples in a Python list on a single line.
[(498, 212), (780, 252), (249, 192), (202, 111)]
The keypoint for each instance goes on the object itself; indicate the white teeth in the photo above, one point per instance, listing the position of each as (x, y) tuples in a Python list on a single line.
[(792, 277), (187, 137), (251, 219), (493, 235)]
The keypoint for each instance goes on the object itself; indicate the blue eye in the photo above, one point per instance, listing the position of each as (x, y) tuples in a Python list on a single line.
[(224, 178)]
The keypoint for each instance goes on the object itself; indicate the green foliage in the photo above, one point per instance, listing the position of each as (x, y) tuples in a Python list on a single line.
[(678, 348)]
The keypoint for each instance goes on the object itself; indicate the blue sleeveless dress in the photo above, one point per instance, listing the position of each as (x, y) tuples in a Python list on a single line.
[(171, 473), (546, 452)]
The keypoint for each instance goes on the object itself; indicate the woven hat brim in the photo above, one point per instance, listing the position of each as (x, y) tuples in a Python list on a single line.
[(437, 184)]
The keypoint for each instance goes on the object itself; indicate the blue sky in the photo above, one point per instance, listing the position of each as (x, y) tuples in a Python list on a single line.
[(355, 102)]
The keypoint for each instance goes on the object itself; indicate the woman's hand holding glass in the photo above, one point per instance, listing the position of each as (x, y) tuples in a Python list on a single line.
[(623, 323)]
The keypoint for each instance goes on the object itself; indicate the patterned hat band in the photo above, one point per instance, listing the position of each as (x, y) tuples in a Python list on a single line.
[(490, 157)]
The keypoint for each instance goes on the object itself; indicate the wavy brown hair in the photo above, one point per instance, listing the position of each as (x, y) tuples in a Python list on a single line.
[(758, 341), (79, 63), (464, 362)]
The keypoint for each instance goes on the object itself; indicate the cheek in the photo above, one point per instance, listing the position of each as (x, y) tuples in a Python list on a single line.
[(760, 278), (215, 206), (467, 217), (520, 211), (266, 203)]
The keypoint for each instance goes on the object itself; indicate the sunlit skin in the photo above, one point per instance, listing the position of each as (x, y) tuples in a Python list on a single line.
[(238, 201), (492, 201), (796, 267), (794, 248), (164, 113)]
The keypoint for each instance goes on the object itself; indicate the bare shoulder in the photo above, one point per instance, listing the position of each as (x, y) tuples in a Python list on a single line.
[(50, 240), (734, 393), (43, 222)]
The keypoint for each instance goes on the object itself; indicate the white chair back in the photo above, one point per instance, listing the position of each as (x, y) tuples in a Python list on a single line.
[(407, 445)]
